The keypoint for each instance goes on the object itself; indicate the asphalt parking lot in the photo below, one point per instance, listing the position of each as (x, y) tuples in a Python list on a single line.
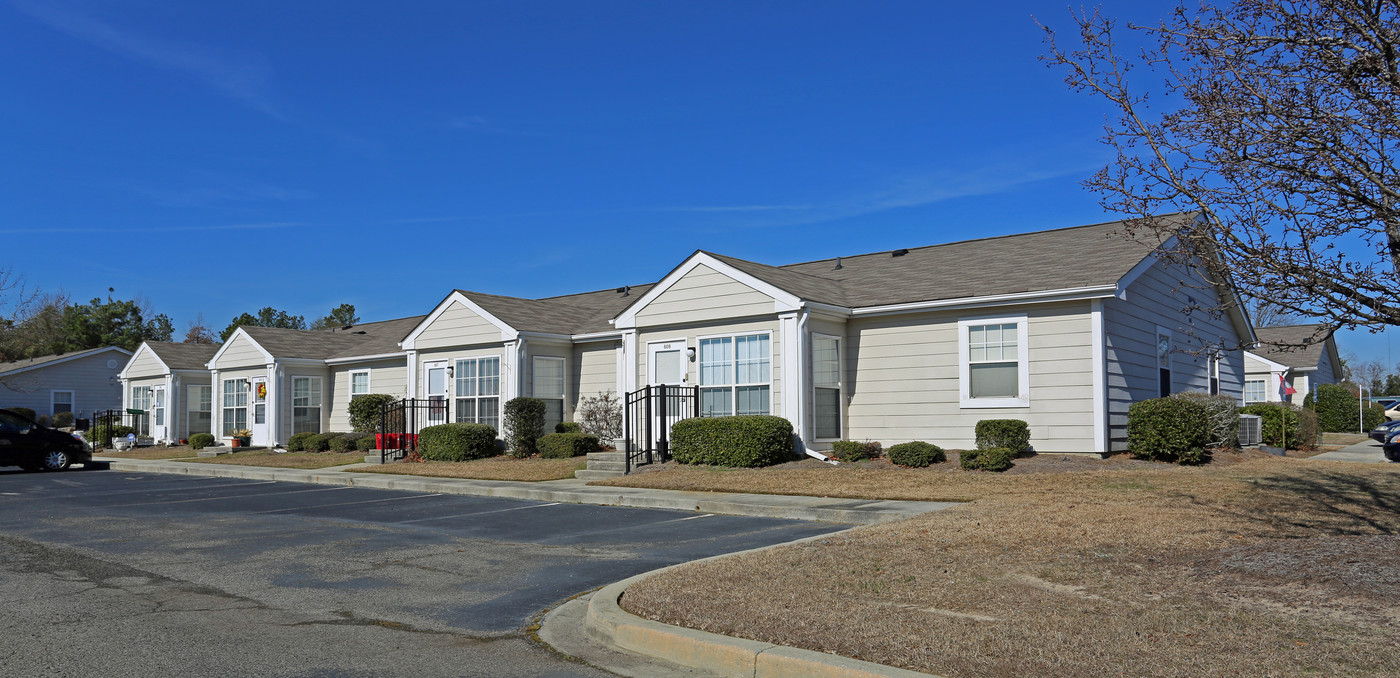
[(111, 573)]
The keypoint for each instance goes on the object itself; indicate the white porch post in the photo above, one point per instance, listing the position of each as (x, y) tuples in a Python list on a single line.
[(216, 406), (627, 370), (794, 375), (275, 372), (411, 384)]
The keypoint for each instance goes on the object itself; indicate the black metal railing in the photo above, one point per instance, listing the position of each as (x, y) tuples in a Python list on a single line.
[(647, 416), (401, 421), (100, 433)]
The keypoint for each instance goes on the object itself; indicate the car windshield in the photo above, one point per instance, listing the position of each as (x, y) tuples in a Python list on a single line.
[(13, 422)]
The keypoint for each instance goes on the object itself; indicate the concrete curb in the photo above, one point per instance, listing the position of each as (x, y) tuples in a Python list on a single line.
[(820, 509), (607, 623)]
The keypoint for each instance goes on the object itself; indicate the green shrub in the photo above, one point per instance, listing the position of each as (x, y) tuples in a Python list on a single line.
[(1012, 434), (63, 420), (1307, 428), (457, 442), (100, 435), (1167, 429), (565, 445), (297, 443), (24, 411), (746, 440), (990, 459), (854, 450), (568, 427), (348, 442), (1337, 409), (1222, 415), (1374, 416), (367, 444), (524, 424), (1280, 423), (44, 421), (366, 411), (917, 453), (320, 442), (200, 441)]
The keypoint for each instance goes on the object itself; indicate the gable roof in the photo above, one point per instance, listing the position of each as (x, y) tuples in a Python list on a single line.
[(17, 366), (1283, 345), (569, 314), (182, 356), (364, 339)]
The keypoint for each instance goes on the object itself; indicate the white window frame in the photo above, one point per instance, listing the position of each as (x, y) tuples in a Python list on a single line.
[(1263, 391), (72, 401), (453, 398), (193, 402), (158, 404), (319, 391), (1157, 351), (734, 385), (224, 424), (1023, 363), (840, 387), (369, 386), (143, 403)]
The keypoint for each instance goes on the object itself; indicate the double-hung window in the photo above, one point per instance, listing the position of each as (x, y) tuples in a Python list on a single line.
[(547, 380), (826, 379), (62, 401), (306, 404), (1164, 362), (141, 400), (736, 375), (477, 390), (993, 365), (1254, 390), (235, 405), (359, 383)]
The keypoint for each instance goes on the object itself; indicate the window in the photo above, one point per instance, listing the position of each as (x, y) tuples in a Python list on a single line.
[(735, 373), (201, 408), (159, 407), (826, 378), (359, 383), (62, 401), (306, 404), (1164, 362), (547, 379), (141, 400), (235, 405), (1214, 367), (993, 368), (477, 390), (1254, 390)]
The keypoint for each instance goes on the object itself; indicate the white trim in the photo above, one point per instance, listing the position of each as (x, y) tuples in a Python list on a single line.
[(840, 387), (685, 373), (364, 358), (1142, 268), (629, 355), (596, 336), (1070, 294), (793, 405), (64, 360), (411, 382), (132, 360), (508, 333), (1099, 352), (214, 362), (1023, 398), (547, 337), (72, 400), (369, 383), (782, 299), (1273, 366)]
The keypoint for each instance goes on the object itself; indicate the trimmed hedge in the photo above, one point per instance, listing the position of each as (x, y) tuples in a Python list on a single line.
[(1222, 415), (566, 445), (746, 440), (366, 411), (853, 450), (320, 442), (457, 442), (568, 427), (1168, 429), (200, 441), (63, 420), (348, 442), (916, 454), (995, 459), (1012, 434), (24, 411), (1279, 422), (524, 424), (297, 443), (367, 444)]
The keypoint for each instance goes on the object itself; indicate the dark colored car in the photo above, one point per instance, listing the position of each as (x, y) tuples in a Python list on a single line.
[(32, 447), (1380, 433), (1392, 445)]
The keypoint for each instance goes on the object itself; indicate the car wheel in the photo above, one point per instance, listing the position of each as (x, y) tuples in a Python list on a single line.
[(56, 460)]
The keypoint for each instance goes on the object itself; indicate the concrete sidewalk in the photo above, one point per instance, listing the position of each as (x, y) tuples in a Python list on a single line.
[(1367, 451), (572, 491)]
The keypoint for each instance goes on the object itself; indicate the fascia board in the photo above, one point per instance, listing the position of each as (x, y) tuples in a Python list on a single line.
[(782, 299), (132, 360), (597, 336), (70, 358), (366, 358), (213, 362), (1070, 294), (508, 333), (1273, 366)]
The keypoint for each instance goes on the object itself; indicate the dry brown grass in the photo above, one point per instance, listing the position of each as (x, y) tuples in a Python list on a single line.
[(496, 468), (305, 460), (1253, 566), (151, 453)]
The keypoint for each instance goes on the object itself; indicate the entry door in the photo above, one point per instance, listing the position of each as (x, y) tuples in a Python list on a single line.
[(666, 363), (258, 421), (435, 390), (160, 422)]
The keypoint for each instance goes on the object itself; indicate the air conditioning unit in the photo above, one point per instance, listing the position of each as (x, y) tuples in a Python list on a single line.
[(1251, 430)]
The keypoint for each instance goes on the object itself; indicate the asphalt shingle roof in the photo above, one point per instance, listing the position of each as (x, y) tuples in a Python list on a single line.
[(1283, 345), (17, 365), (181, 356), (569, 314), (363, 339)]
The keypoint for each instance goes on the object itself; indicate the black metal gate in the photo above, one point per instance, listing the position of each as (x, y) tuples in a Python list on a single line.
[(401, 421), (100, 434), (647, 416)]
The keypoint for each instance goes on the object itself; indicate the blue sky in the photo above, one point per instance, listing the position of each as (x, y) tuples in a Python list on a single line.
[(216, 158)]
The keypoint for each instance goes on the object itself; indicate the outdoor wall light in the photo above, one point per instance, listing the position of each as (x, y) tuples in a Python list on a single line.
[(690, 353), (450, 371)]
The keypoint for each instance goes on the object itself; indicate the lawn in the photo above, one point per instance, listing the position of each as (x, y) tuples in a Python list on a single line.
[(155, 452), (494, 468), (304, 460), (1252, 565)]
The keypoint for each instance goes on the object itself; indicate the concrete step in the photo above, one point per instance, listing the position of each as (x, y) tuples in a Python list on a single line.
[(606, 456), (607, 465), (585, 474)]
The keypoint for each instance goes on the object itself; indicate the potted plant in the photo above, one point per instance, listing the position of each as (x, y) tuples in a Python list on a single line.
[(240, 437)]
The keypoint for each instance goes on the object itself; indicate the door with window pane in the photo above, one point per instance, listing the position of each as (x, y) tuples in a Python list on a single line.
[(435, 390), (159, 428), (258, 424)]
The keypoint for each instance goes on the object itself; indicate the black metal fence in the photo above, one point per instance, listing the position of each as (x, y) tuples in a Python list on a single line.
[(104, 424), (647, 416), (401, 421)]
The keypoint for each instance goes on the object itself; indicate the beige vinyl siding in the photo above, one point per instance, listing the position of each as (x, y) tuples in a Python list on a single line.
[(452, 353), (240, 352), (593, 370), (385, 376), (902, 379), (283, 400), (457, 326), (704, 295), (94, 385), (692, 333), (1160, 298), (144, 364)]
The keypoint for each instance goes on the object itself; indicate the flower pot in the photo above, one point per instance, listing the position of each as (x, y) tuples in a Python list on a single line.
[(236, 442)]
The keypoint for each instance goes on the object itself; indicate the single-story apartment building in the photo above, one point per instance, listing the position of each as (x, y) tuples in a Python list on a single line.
[(81, 382), (169, 382), (1290, 357)]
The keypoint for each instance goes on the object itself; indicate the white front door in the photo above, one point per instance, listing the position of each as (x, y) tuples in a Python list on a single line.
[(160, 425), (257, 421), (435, 389), (666, 363)]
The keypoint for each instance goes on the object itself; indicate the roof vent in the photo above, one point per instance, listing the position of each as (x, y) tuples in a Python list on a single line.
[(838, 264), (359, 331), (899, 253), (625, 290)]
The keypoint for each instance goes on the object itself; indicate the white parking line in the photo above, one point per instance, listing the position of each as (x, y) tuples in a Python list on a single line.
[(231, 496), (478, 513), (351, 503)]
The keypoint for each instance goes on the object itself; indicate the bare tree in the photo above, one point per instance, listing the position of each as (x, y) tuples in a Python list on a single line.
[(1283, 145), (1265, 313), (198, 332)]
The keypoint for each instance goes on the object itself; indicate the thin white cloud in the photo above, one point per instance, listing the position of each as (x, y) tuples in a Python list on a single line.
[(218, 189), (242, 78), (117, 230)]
